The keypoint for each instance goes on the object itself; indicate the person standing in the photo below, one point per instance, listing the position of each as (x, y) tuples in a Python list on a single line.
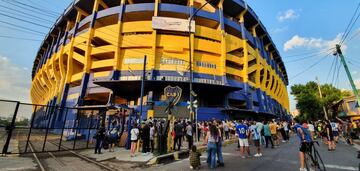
[(226, 129), (267, 134), (219, 144), (260, 130), (311, 129), (335, 130), (282, 131), (242, 131), (145, 137), (99, 137), (305, 142), (212, 136), (189, 134), (152, 136), (199, 127), (113, 135), (272, 126), (178, 129), (134, 136), (286, 129), (255, 135), (330, 136)]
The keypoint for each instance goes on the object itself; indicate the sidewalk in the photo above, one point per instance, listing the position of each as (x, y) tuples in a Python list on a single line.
[(183, 153), (120, 154), (123, 155)]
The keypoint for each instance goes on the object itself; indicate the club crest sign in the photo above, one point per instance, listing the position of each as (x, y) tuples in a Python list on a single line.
[(173, 94)]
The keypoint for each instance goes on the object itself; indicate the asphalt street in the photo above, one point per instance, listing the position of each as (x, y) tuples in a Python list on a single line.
[(283, 158)]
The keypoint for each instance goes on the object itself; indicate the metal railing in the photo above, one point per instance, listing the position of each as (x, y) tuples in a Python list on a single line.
[(35, 128)]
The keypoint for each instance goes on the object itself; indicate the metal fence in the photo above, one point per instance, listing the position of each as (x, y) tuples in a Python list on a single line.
[(28, 128)]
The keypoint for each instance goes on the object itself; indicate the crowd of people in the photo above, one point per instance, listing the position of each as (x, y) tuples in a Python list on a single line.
[(260, 134), (327, 131)]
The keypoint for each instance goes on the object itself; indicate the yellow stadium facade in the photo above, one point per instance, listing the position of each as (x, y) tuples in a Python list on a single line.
[(94, 56)]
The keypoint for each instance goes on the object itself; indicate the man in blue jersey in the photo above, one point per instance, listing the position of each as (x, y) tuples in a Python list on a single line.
[(242, 131), (305, 142), (255, 136)]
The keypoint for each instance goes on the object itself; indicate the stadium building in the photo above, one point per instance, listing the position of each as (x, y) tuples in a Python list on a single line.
[(94, 55)]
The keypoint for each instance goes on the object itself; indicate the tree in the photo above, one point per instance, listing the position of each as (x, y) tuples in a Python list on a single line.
[(309, 102)]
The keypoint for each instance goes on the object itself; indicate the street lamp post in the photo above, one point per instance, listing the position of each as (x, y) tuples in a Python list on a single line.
[(213, 3)]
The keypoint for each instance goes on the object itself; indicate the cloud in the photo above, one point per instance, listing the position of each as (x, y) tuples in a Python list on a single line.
[(312, 43), (290, 14), (357, 83), (14, 81), (279, 30)]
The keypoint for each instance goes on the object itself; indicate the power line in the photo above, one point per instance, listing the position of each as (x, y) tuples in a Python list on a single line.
[(306, 53), (37, 8), (352, 25), (35, 31), (25, 31), (26, 16), (354, 36), (329, 73), (31, 9), (30, 22), (307, 57), (337, 76), (311, 66), (19, 38), (25, 13), (351, 20), (335, 69)]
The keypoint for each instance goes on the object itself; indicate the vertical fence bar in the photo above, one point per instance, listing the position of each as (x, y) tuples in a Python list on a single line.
[(76, 127), (63, 127), (12, 126), (47, 126), (31, 126), (89, 127)]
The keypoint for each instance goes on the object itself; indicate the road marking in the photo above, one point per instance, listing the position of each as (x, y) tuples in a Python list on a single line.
[(327, 166), (340, 167)]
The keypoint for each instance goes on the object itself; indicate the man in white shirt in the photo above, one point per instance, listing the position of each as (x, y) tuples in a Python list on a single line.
[(189, 134), (311, 129)]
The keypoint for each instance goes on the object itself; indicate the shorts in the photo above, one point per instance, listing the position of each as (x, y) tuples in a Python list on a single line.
[(336, 133), (243, 142), (134, 141), (274, 136), (305, 147), (257, 143)]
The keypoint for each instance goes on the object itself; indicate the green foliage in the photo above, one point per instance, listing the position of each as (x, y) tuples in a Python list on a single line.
[(309, 102)]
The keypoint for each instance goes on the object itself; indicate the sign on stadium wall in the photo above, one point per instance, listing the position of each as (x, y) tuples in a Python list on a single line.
[(173, 94), (172, 24)]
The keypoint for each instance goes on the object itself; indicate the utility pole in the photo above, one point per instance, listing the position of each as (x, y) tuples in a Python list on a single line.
[(142, 86), (325, 112), (342, 58)]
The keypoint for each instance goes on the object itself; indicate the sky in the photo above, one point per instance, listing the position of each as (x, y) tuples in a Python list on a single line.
[(303, 31)]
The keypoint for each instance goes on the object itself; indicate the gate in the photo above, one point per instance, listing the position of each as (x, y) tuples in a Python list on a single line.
[(27, 128)]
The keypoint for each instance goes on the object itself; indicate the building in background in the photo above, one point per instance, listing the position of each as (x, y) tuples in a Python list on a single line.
[(347, 108), (94, 53)]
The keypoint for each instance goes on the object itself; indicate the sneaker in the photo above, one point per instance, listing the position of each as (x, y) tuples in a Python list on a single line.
[(256, 155), (304, 169), (243, 157), (191, 168), (283, 141), (260, 154)]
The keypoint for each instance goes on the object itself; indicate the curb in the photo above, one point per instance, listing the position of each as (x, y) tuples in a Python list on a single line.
[(171, 157)]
